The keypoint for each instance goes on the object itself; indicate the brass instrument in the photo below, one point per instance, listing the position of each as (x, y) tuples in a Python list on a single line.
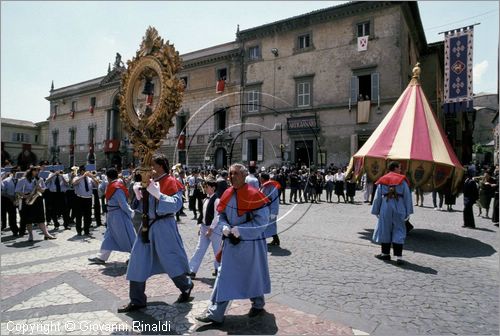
[(37, 192)]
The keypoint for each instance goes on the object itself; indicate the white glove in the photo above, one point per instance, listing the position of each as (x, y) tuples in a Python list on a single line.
[(154, 189), (235, 232), (226, 230), (137, 190)]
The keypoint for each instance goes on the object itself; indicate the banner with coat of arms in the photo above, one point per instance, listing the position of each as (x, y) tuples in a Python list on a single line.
[(458, 70)]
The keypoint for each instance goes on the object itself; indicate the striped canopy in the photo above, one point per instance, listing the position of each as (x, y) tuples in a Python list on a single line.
[(410, 134)]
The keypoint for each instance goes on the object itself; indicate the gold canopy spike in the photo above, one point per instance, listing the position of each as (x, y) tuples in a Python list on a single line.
[(416, 74)]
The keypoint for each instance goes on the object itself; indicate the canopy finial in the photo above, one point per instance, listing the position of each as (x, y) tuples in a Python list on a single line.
[(416, 74)]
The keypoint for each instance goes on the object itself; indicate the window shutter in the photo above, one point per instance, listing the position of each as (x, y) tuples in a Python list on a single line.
[(260, 149), (354, 89), (375, 86), (244, 150)]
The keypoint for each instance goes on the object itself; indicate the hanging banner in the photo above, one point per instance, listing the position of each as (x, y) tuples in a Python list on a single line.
[(363, 43), (458, 69)]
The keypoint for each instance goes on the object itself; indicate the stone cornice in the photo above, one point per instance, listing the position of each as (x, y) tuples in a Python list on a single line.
[(319, 16), (228, 55)]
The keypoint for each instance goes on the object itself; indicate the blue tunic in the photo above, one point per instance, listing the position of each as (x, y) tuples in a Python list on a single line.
[(392, 213), (120, 234), (273, 194), (165, 252), (244, 271)]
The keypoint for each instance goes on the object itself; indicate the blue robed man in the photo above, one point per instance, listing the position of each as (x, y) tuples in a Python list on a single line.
[(271, 188), (120, 234), (163, 251), (393, 206), (244, 271)]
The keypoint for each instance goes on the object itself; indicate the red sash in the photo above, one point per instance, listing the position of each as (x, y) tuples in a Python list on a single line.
[(111, 188), (276, 184), (248, 199), (392, 178), (169, 185)]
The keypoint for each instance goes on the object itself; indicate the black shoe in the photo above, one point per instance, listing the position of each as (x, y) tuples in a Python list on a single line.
[(192, 275), (206, 319), (383, 256), (130, 308), (49, 237), (79, 233), (255, 312), (185, 296), (214, 273), (97, 260)]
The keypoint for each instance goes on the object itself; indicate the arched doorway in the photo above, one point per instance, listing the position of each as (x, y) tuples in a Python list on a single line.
[(220, 158)]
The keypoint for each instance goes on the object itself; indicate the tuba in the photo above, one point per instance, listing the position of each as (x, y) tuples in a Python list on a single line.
[(37, 192)]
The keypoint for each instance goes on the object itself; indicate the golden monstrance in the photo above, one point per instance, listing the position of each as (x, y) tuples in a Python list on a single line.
[(150, 95)]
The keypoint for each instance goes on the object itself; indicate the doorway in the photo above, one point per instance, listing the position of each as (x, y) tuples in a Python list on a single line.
[(220, 158), (304, 154)]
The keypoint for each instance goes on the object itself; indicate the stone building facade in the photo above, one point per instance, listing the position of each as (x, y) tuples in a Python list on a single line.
[(24, 142), (292, 92)]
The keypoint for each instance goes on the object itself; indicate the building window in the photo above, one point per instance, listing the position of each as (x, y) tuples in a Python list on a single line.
[(73, 106), (55, 135), (93, 101), (222, 74), (92, 134), (36, 138), (20, 137), (304, 41), (363, 29), (181, 124), (220, 120), (365, 86), (185, 81), (253, 100), (304, 92), (254, 53)]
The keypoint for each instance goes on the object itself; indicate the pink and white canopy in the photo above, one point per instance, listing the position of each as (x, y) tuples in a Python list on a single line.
[(412, 135)]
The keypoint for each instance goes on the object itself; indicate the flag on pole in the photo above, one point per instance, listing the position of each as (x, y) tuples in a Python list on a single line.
[(458, 70), (363, 43)]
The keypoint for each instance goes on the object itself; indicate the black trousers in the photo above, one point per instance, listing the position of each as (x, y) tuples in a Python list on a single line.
[(397, 248), (9, 212), (97, 207), (83, 209), (59, 207), (469, 216)]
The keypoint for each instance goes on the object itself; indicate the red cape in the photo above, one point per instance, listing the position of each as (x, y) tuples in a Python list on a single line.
[(276, 184), (169, 185), (248, 199), (111, 188), (392, 178)]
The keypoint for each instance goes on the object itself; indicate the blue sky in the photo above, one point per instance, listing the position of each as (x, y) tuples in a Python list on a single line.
[(71, 42)]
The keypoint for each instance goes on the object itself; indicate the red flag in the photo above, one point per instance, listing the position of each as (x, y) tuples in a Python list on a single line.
[(72, 114), (149, 100), (219, 88), (181, 143), (91, 109)]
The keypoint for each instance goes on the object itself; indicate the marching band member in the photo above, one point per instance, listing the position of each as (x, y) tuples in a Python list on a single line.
[(83, 185), (30, 189)]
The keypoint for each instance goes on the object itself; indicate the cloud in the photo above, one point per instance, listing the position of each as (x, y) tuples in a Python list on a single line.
[(479, 70)]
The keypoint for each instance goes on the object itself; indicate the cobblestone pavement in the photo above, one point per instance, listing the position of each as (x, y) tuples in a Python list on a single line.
[(325, 280)]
